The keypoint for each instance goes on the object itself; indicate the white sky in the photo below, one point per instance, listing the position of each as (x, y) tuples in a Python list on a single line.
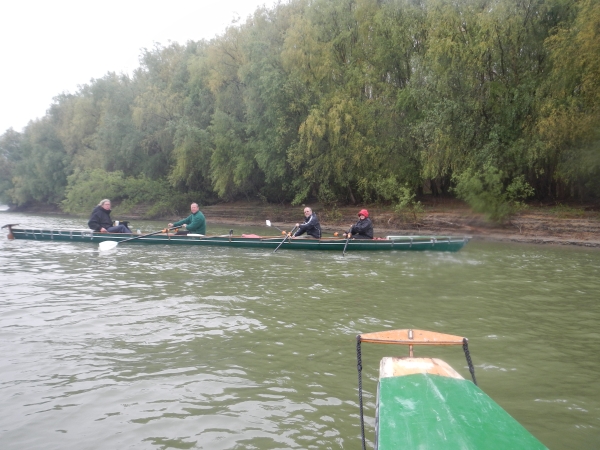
[(53, 46)]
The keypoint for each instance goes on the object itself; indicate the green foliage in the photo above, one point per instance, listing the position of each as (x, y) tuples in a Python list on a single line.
[(86, 188), (570, 101), (40, 168), (407, 205), (331, 214), (326, 195), (301, 191), (565, 211), (156, 197), (487, 192), (9, 155), (172, 204), (389, 189), (341, 101)]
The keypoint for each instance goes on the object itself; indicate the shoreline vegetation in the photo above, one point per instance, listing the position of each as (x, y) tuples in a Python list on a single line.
[(559, 224)]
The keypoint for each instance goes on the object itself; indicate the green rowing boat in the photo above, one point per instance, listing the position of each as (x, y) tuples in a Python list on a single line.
[(423, 403), (437, 243)]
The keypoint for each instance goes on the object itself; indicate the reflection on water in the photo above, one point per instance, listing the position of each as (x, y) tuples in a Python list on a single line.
[(159, 347)]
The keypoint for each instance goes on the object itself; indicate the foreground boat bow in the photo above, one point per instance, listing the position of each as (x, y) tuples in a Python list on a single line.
[(424, 403)]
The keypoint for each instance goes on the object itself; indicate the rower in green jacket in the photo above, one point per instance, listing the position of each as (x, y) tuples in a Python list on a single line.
[(194, 223)]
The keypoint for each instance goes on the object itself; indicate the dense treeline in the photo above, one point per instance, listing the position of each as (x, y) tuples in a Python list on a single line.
[(337, 101)]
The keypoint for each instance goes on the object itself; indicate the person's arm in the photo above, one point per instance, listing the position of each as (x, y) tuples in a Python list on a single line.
[(187, 220), (301, 229), (94, 222)]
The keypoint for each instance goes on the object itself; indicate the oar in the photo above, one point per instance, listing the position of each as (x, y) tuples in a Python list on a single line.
[(346, 245), (109, 245), (286, 236), (271, 225), (10, 234)]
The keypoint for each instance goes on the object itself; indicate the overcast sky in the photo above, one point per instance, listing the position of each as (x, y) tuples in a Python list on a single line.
[(51, 46)]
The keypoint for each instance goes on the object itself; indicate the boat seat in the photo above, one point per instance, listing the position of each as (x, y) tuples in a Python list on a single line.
[(391, 366)]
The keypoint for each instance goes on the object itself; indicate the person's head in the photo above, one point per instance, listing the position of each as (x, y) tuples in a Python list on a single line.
[(105, 204), (363, 214), (307, 211), (194, 207)]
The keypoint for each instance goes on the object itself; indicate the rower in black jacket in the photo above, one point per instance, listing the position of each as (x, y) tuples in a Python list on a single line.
[(100, 220), (311, 225)]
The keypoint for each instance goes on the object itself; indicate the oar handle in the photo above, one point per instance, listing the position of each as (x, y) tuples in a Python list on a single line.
[(286, 236)]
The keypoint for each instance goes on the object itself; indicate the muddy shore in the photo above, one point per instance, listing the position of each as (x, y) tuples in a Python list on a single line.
[(578, 225)]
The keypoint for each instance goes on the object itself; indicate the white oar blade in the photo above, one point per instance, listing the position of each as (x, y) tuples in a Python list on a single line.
[(268, 223), (107, 245)]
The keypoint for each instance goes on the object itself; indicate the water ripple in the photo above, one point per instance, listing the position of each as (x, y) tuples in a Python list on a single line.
[(218, 348)]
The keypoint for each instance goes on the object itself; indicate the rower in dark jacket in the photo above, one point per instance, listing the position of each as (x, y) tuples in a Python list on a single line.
[(311, 225), (363, 229), (100, 219)]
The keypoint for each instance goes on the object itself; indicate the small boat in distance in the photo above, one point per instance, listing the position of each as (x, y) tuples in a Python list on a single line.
[(436, 243), (423, 403)]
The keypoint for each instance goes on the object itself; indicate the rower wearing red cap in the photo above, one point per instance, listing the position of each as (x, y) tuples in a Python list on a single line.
[(363, 229)]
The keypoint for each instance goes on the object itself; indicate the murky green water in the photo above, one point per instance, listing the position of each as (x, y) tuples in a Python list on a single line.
[(157, 347)]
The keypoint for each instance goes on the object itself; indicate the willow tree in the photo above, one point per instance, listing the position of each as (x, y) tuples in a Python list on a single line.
[(570, 105), (275, 100), (321, 51), (477, 83), (118, 140), (233, 168), (77, 117), (10, 143), (392, 36), (95, 125), (192, 151), (160, 104), (40, 173)]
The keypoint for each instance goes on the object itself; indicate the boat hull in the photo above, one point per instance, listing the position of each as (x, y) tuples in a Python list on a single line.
[(433, 411), (411, 243)]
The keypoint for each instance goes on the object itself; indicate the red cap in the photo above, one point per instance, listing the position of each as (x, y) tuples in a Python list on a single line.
[(363, 212)]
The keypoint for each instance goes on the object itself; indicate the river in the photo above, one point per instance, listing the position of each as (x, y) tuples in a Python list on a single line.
[(152, 347)]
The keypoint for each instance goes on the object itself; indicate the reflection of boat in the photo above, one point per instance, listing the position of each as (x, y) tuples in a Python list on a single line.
[(445, 243), (425, 403)]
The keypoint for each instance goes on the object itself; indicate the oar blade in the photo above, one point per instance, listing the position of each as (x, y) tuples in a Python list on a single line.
[(104, 246), (268, 222)]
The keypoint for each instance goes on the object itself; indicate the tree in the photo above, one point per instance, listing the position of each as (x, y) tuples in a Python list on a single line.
[(41, 172), (10, 143), (570, 102)]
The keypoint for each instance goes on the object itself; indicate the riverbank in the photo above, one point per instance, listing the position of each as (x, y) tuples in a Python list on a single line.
[(555, 224)]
